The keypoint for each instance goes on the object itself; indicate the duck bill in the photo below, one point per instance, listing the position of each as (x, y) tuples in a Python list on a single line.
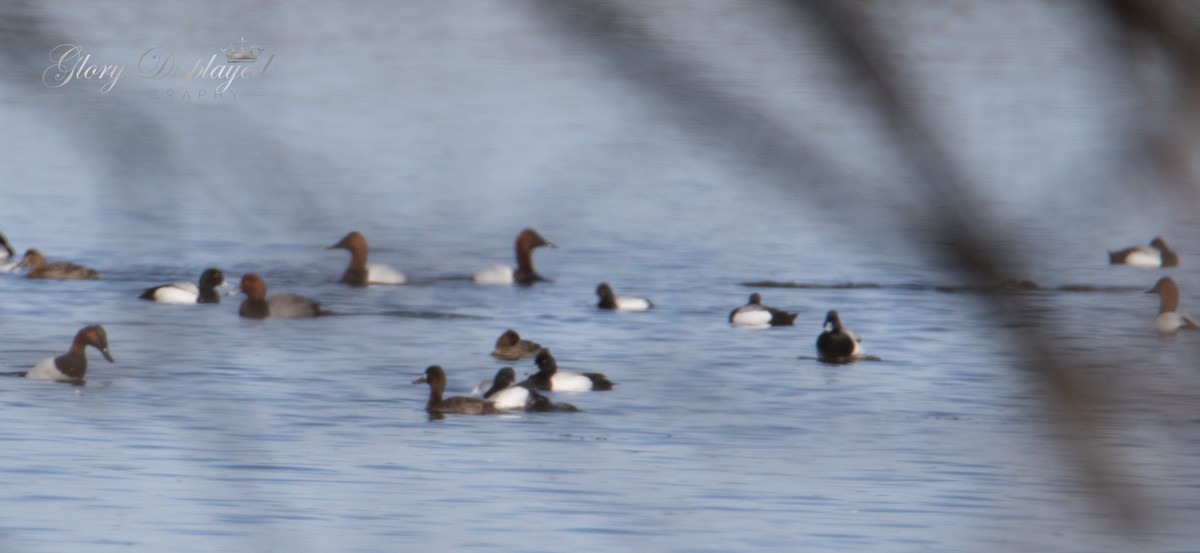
[(107, 355), (421, 380)]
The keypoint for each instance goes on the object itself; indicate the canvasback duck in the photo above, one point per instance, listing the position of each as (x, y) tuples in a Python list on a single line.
[(1169, 320), (837, 344), (510, 347), (757, 314), (287, 306), (1157, 254), (608, 300), (550, 378), (62, 270), (462, 405), (361, 273), (506, 395), (8, 256), (187, 292), (72, 365), (524, 274)]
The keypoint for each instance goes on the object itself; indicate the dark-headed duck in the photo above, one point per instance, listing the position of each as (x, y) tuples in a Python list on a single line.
[(287, 306), (524, 274), (510, 347), (1156, 255), (72, 365), (550, 378), (757, 314), (609, 300), (1169, 320), (436, 378), (62, 270), (186, 292), (837, 344), (361, 273)]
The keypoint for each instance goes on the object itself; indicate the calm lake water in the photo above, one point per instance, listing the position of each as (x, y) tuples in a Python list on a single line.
[(439, 130)]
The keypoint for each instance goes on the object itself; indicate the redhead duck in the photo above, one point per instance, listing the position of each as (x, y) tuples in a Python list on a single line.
[(72, 365), (1157, 254), (620, 303), (524, 275), (436, 378), (837, 344), (1168, 320), (186, 292), (62, 270), (757, 314), (288, 306), (510, 347), (550, 378), (506, 395), (361, 273)]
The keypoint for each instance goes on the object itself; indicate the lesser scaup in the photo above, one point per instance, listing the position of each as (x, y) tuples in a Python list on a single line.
[(548, 377), (757, 314), (186, 292), (361, 273), (506, 395), (72, 365), (608, 300), (837, 344), (1157, 254)]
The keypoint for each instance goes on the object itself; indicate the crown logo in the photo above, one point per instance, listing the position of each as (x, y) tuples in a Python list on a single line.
[(241, 52)]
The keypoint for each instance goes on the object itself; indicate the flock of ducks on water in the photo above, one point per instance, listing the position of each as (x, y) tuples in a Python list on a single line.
[(835, 344)]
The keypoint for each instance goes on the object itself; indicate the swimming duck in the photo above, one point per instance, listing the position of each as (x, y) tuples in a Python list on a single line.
[(506, 395), (287, 306), (7, 256), (510, 347), (436, 378), (524, 275), (72, 365), (550, 378), (1157, 254), (837, 344), (620, 303), (1168, 320), (62, 270), (186, 292), (361, 273), (757, 314)]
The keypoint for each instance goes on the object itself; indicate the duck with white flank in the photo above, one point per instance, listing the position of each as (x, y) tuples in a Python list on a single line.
[(524, 274), (609, 300), (1156, 255), (551, 379), (757, 314), (186, 292), (361, 273), (837, 344), (1168, 320), (72, 365), (505, 394)]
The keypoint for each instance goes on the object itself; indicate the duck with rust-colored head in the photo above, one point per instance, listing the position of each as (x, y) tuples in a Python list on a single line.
[(360, 273), (1169, 320), (524, 274), (288, 306), (72, 365)]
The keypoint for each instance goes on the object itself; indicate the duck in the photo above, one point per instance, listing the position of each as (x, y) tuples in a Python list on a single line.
[(524, 275), (608, 300), (360, 273), (7, 256), (510, 347), (1156, 255), (288, 306), (757, 314), (435, 376), (1168, 320), (185, 292), (72, 365), (61, 270), (549, 378), (837, 344), (506, 395)]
